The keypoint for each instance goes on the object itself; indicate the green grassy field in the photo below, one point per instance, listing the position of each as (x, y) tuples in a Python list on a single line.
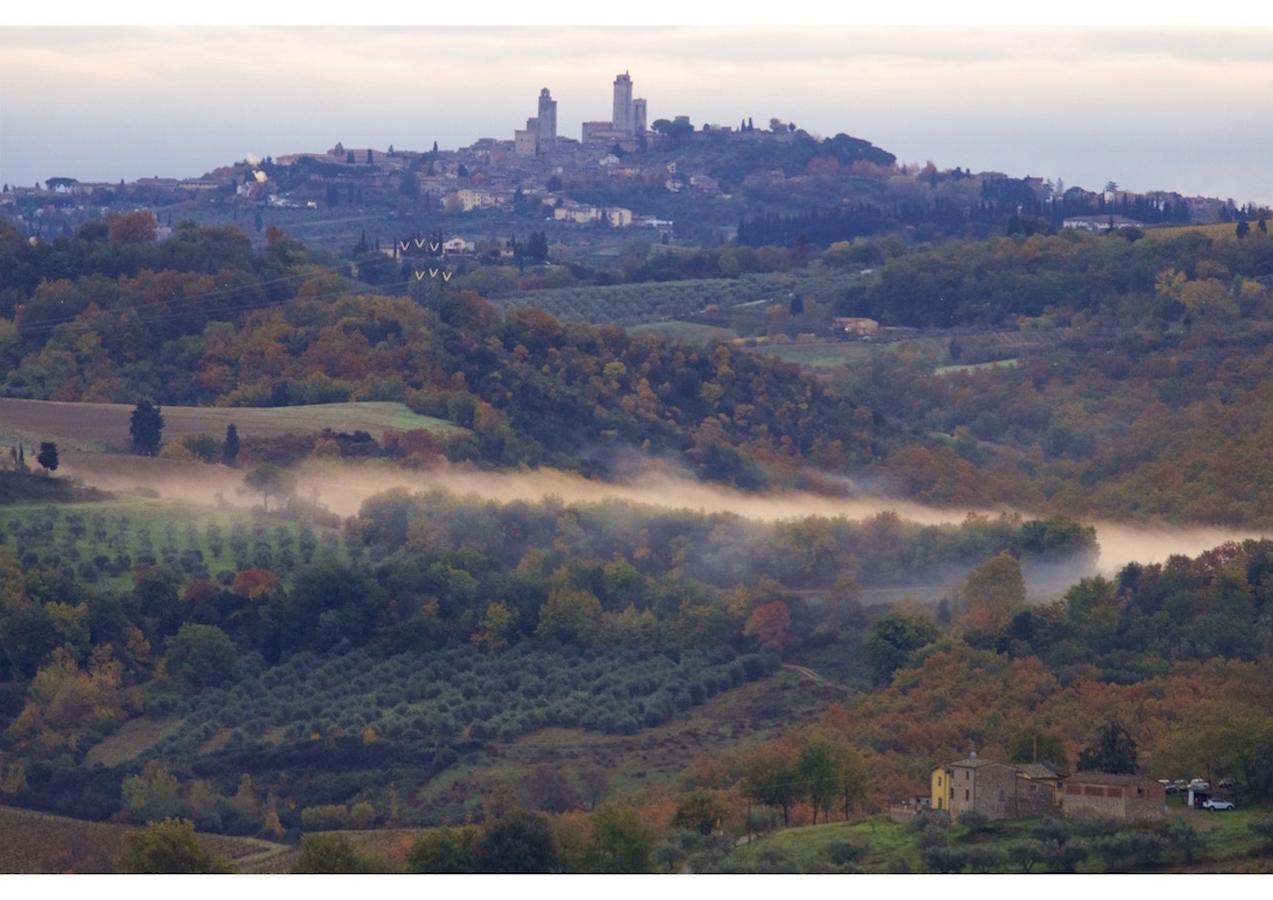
[(97, 427), (973, 367), (838, 354), (78, 534), (1216, 230), (688, 332), (887, 846)]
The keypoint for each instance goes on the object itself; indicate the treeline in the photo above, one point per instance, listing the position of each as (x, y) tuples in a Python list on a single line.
[(531, 389), (991, 282), (123, 246), (1153, 404), (1170, 658), (443, 624), (817, 228)]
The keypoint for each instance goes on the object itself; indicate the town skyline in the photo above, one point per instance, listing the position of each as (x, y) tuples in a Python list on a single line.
[(921, 94)]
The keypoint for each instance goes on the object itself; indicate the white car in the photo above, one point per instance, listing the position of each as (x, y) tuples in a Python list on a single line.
[(1217, 805)]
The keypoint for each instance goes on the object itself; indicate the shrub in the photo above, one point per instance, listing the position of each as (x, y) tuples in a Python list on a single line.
[(945, 860)]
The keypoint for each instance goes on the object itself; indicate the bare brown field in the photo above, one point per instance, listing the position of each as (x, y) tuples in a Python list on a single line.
[(36, 843)]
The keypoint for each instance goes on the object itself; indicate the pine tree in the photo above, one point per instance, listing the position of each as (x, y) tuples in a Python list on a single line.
[(146, 426), (48, 456), (230, 449)]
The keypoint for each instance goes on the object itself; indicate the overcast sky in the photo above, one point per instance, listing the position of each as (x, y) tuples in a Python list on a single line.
[(1179, 110)]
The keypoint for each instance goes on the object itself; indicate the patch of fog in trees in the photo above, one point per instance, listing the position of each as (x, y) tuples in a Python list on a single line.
[(343, 487)]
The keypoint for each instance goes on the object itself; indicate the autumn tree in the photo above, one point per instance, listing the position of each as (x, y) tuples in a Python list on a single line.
[(138, 227), (769, 623), (993, 593)]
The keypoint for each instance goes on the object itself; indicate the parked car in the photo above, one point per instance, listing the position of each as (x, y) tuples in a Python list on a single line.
[(1217, 805), (1226, 784), (1199, 784)]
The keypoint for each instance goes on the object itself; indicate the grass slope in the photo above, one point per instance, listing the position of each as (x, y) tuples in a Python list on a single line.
[(105, 426), (890, 846)]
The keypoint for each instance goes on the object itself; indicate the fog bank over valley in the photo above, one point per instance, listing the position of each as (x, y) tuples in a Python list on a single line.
[(344, 487)]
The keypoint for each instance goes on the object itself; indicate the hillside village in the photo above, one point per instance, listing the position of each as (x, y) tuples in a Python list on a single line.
[(667, 180)]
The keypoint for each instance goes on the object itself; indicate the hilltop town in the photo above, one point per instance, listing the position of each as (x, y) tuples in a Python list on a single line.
[(665, 181)]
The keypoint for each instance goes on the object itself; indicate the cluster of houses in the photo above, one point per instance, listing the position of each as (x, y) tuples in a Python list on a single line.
[(1000, 790)]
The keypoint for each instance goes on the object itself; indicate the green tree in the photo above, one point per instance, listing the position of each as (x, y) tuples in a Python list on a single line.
[(230, 449), (1187, 839), (571, 614), (518, 843), (202, 656), (169, 847), (699, 811), (1114, 750), (333, 854), (47, 457), (622, 841), (816, 769), (499, 624), (892, 641), (269, 480), (770, 778), (151, 795), (443, 851), (146, 426)]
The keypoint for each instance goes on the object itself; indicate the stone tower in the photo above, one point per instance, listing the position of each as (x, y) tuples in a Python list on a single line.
[(622, 120), (547, 120)]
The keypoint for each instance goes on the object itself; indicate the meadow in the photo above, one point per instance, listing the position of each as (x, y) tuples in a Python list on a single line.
[(97, 427), (1222, 842)]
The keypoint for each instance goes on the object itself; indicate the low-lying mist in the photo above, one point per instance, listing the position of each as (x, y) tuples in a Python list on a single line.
[(342, 487)]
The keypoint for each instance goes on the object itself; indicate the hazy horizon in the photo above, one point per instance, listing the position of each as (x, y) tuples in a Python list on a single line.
[(1150, 109)]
